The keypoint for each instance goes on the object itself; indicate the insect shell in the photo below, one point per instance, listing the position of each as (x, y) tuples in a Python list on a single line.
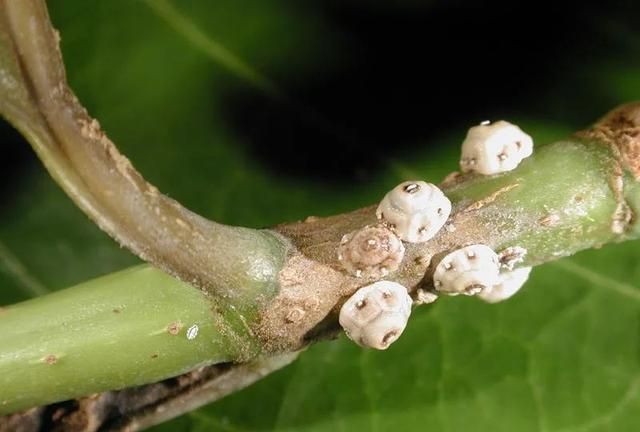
[(376, 315), (468, 271), (493, 148), (415, 210), (508, 285), (371, 252)]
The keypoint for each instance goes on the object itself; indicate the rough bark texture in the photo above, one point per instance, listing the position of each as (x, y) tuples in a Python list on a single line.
[(546, 207), (621, 129), (141, 407)]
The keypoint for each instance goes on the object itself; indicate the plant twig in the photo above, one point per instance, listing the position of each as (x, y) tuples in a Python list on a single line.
[(35, 97), (138, 408), (287, 284), (133, 327)]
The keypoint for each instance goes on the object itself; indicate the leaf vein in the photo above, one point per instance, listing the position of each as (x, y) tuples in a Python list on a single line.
[(212, 48), (600, 280), (12, 265)]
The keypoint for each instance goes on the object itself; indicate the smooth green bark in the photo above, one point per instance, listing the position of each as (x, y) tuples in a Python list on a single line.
[(559, 201), (129, 328)]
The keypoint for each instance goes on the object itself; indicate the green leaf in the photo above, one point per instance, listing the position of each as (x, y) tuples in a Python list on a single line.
[(560, 356)]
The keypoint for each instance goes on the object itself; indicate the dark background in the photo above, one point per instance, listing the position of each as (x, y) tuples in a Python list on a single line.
[(410, 67), (415, 69)]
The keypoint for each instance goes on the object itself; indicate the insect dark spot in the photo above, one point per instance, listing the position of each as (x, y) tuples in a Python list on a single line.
[(371, 244), (474, 289), (389, 337), (411, 188)]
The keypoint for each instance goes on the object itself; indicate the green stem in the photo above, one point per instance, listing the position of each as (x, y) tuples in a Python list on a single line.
[(130, 328), (117, 331), (270, 291), (567, 197), (35, 98)]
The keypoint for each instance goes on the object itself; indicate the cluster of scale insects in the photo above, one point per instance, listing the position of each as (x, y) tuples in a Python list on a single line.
[(414, 212)]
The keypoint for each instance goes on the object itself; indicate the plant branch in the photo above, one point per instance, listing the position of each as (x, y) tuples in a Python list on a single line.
[(278, 290), (35, 97), (130, 328), (571, 195), (141, 407)]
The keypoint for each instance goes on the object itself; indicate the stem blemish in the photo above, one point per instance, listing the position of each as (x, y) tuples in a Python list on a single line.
[(489, 199), (174, 328), (549, 220), (51, 359)]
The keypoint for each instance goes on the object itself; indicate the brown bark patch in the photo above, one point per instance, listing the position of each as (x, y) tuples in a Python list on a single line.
[(620, 128), (174, 328)]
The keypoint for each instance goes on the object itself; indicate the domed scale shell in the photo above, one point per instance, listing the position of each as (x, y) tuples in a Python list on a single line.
[(377, 314), (468, 271), (371, 252), (493, 148), (509, 284), (415, 210)]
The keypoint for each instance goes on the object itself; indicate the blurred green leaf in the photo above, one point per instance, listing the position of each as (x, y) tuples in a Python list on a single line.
[(562, 356)]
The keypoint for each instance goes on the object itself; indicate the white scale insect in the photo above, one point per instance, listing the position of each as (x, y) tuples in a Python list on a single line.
[(376, 315), (475, 270), (493, 148), (509, 284), (469, 271), (371, 252), (415, 210)]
